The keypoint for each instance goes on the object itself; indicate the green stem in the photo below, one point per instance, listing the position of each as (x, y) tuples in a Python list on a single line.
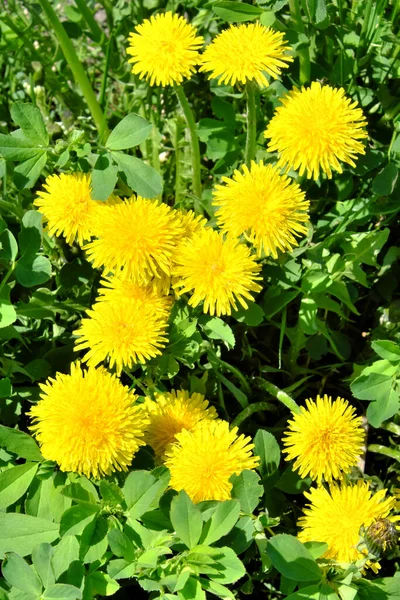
[(248, 411), (194, 142), (77, 69), (7, 275), (91, 22), (278, 394), (303, 53), (251, 134)]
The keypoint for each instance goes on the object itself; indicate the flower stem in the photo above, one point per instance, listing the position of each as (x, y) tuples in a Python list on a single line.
[(77, 69), (278, 394), (303, 53), (251, 135), (187, 111), (249, 410)]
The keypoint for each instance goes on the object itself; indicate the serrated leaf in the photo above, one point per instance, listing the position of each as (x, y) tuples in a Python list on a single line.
[(374, 386), (30, 119)]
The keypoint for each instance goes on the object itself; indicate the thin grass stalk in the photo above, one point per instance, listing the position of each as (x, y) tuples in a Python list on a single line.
[(251, 133), (303, 53)]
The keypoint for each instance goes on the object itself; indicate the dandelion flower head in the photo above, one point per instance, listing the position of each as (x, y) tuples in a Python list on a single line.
[(66, 204), (216, 270), (170, 413), (135, 238), (116, 288), (164, 49), (337, 516), (88, 422), (315, 128), (190, 222), (325, 439), (268, 208), (202, 461), (125, 332), (244, 53)]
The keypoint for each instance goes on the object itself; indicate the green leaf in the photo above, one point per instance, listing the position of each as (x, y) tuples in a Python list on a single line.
[(252, 316), (42, 561), (216, 588), (129, 132), (62, 591), (16, 148), (14, 482), (121, 569), (19, 443), (75, 519), (275, 300), (33, 270), (8, 245), (292, 559), (387, 350), (383, 409), (100, 584), (28, 172), (221, 522), (292, 483), (121, 545), (30, 236), (65, 553), (216, 329), (21, 533), (94, 542), (316, 549), (230, 567), (267, 448), (143, 179), (7, 311), (104, 177), (192, 590), (374, 386), (236, 12), (141, 488), (186, 519), (311, 592), (30, 119), (5, 387), (384, 182), (247, 489), (20, 575)]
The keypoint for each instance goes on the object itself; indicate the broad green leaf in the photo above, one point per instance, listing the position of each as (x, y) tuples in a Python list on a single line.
[(42, 561), (14, 482), (186, 519), (292, 483), (192, 590), (19, 443), (121, 545), (374, 386), (252, 316), (267, 448), (30, 119), (65, 553), (28, 172), (75, 519), (19, 574), (247, 489), (44, 499), (143, 179), (382, 409), (21, 533), (100, 584), (216, 329), (236, 12), (17, 148), (62, 591), (30, 236), (141, 488), (5, 389), (129, 132), (104, 178), (221, 522), (8, 245), (384, 182), (316, 549), (387, 350), (33, 270), (230, 568), (7, 311), (94, 542), (121, 569), (311, 592), (292, 559), (217, 589), (241, 536)]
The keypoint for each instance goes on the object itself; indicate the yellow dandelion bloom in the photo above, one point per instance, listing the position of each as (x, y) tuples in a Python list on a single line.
[(88, 422), (124, 331), (315, 128), (170, 413), (67, 206), (190, 222), (337, 516), (117, 288), (268, 208), (244, 53), (325, 439), (164, 49), (136, 238), (217, 271), (202, 461)]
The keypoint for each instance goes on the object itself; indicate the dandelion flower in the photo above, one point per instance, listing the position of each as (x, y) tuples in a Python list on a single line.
[(315, 128), (164, 49), (217, 271), (202, 461), (136, 238), (337, 516), (244, 53), (125, 331), (268, 208), (67, 206), (118, 288), (190, 222), (88, 422), (170, 413), (325, 438)]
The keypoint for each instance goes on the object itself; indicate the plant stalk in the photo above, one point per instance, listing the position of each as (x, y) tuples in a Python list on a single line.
[(251, 134), (77, 70), (95, 30), (278, 394), (303, 53), (187, 111), (249, 410)]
